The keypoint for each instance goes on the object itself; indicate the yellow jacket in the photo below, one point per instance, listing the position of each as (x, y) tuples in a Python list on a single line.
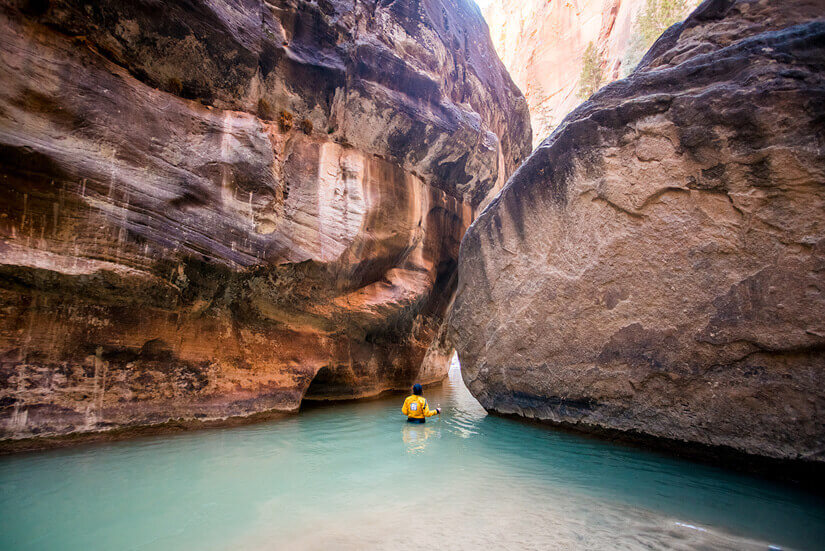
[(416, 407)]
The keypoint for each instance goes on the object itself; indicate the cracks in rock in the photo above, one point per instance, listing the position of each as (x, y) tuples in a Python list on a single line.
[(614, 206), (813, 348), (732, 203), (656, 196), (660, 193)]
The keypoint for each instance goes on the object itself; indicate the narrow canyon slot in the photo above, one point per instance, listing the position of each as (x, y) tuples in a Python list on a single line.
[(376, 274)]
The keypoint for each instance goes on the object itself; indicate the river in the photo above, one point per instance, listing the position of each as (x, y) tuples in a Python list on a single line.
[(356, 476)]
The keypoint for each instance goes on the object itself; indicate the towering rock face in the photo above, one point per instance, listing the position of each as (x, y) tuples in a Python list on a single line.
[(544, 44), (657, 265), (207, 206)]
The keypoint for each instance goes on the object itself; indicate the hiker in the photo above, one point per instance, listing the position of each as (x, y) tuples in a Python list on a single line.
[(415, 407)]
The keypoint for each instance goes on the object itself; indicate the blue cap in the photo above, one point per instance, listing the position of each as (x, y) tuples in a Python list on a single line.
[(417, 389)]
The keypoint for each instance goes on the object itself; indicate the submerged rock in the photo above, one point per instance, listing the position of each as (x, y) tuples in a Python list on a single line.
[(204, 208), (657, 266)]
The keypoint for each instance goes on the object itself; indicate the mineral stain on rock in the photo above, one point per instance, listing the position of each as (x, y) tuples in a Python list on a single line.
[(202, 212)]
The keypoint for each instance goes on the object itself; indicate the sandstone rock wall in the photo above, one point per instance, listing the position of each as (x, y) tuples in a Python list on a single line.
[(542, 43), (208, 205), (657, 266)]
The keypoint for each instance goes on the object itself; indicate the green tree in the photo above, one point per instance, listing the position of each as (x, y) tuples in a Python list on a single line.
[(590, 79), (649, 25), (658, 16)]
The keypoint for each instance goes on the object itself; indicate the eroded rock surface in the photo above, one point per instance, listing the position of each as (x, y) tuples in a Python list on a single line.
[(205, 205), (657, 265)]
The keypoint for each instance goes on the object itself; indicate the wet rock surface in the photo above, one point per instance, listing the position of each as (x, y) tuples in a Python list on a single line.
[(657, 266), (206, 204)]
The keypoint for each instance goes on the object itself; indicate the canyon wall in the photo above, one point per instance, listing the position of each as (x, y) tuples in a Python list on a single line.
[(544, 45), (657, 266), (215, 208)]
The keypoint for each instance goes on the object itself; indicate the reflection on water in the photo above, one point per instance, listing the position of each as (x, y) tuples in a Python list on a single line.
[(356, 476), (416, 436)]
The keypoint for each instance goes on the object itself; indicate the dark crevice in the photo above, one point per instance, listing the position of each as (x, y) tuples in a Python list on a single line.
[(327, 385)]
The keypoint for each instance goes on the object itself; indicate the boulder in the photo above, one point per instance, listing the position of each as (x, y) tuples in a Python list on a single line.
[(657, 266)]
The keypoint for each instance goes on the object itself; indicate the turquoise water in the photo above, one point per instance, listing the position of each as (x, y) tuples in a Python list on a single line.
[(355, 476)]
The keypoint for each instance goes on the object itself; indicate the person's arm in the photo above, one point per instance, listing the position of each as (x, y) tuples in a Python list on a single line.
[(430, 412), (405, 409)]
